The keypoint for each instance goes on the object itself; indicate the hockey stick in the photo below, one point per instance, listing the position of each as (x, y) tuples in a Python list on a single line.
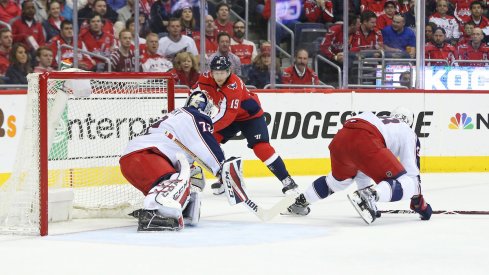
[(260, 212), (449, 212)]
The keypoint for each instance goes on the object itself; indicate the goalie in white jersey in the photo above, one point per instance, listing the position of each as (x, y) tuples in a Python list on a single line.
[(367, 147), (158, 167)]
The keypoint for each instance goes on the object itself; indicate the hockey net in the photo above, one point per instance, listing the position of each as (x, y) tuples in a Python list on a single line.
[(76, 126)]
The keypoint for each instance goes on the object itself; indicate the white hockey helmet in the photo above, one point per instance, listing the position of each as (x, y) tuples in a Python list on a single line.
[(200, 100), (403, 114)]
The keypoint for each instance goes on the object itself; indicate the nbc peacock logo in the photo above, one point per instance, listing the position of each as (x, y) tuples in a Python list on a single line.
[(461, 121)]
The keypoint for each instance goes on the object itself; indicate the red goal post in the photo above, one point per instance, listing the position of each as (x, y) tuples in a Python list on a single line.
[(76, 126)]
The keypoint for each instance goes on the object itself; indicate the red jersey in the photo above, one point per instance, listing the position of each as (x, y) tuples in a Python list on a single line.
[(383, 21), (315, 13), (228, 27), (377, 6), (108, 26), (210, 44), (244, 49), (9, 11), (190, 79), (468, 52), (4, 62), (462, 10), (371, 41), (234, 100), (98, 43), (84, 60), (21, 33), (291, 76), (446, 52), (332, 43), (483, 23)]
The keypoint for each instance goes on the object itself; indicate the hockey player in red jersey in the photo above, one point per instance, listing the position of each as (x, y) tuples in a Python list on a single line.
[(159, 168), (240, 110), (367, 147)]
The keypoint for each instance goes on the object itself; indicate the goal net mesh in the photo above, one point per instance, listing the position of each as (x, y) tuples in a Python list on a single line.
[(90, 120)]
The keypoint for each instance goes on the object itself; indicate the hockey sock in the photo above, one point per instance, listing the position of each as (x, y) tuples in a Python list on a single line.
[(396, 189), (318, 190), (265, 152)]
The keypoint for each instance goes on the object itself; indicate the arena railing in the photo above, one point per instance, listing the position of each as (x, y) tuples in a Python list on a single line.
[(292, 40), (64, 46), (365, 86), (268, 86), (5, 25), (457, 62), (332, 64)]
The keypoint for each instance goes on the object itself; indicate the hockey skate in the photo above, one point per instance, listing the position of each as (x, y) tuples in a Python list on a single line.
[(419, 205), (289, 185), (300, 206), (364, 201), (150, 220)]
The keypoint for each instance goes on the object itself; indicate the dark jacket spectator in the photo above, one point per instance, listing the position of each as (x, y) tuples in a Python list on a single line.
[(20, 65)]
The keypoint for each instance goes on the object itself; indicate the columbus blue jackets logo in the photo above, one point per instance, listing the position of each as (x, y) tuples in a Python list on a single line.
[(233, 86)]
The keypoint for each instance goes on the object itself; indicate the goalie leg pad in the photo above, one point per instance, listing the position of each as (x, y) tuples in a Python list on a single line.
[(232, 179), (150, 220)]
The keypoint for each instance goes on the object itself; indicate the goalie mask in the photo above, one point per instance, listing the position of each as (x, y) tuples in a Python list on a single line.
[(201, 101), (403, 114)]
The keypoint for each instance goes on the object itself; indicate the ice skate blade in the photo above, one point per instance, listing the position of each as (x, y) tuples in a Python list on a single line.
[(355, 200)]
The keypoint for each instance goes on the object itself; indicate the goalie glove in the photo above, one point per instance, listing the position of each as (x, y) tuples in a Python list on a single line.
[(197, 178), (232, 180)]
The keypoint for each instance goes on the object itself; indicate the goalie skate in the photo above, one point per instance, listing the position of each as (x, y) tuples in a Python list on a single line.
[(364, 203), (150, 220)]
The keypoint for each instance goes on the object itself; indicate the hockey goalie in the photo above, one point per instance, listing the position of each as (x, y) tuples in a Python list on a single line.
[(160, 169)]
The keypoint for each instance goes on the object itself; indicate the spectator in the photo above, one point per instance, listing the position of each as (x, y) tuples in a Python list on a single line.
[(53, 23), (474, 50), (100, 7), (428, 32), (375, 6), (405, 6), (175, 42), (44, 58), (467, 34), (439, 49), (445, 21), (332, 44), (243, 48), (65, 37), (210, 37), (299, 73), (42, 10), (159, 16), (477, 18), (20, 65), (122, 59), (188, 22), (93, 6), (405, 79), (26, 29), (320, 11), (223, 21), (385, 19), (125, 12), (98, 41), (9, 9), (224, 49), (187, 69), (367, 37), (398, 39), (67, 9), (143, 31), (259, 74), (152, 61), (5, 46), (410, 17), (462, 10)]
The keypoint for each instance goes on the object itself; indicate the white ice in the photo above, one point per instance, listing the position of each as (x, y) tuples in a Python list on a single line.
[(333, 239)]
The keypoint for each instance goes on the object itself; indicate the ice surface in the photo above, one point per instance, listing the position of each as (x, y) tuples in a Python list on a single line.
[(333, 239)]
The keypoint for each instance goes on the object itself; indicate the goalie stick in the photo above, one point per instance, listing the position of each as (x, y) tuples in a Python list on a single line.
[(262, 213), (449, 212)]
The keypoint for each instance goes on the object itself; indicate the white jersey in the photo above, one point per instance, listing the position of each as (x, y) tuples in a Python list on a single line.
[(400, 139), (169, 48), (191, 128)]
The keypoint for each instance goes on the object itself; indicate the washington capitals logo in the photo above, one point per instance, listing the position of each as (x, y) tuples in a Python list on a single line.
[(233, 86)]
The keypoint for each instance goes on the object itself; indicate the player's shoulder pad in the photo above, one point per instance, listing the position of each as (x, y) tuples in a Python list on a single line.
[(198, 115)]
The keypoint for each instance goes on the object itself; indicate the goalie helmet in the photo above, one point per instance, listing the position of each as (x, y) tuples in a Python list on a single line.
[(201, 101), (404, 114)]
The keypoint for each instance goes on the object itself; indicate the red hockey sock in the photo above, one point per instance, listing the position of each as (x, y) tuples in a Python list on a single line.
[(263, 151)]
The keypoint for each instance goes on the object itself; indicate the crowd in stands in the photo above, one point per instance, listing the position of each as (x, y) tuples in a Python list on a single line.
[(41, 36)]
